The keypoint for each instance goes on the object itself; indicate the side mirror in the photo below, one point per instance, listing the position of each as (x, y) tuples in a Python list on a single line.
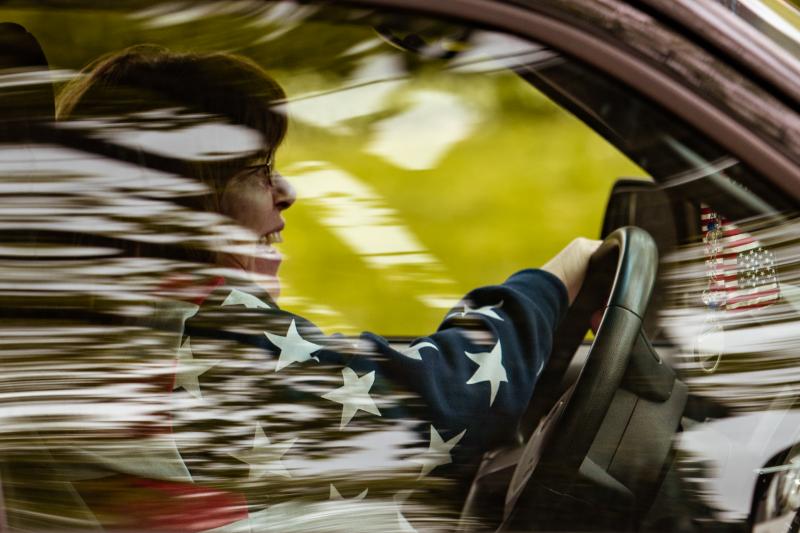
[(641, 203), (636, 202), (625, 204)]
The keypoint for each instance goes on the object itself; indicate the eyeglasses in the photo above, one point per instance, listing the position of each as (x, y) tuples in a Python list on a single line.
[(264, 171)]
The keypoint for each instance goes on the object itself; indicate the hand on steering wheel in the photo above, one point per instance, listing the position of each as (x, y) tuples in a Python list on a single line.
[(569, 404), (570, 264)]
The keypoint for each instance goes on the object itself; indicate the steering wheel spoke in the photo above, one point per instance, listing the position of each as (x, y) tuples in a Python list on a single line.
[(533, 450)]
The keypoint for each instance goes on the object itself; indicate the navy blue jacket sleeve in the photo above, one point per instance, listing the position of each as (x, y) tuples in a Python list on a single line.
[(478, 371)]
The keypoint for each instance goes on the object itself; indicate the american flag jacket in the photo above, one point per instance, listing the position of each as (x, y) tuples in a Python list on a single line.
[(274, 426)]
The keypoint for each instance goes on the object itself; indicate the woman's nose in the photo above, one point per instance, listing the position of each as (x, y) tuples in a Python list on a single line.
[(283, 193)]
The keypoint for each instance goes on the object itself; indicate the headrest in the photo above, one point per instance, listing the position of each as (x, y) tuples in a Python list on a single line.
[(26, 91)]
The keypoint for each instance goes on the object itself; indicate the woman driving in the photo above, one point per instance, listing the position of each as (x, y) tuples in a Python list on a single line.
[(274, 421)]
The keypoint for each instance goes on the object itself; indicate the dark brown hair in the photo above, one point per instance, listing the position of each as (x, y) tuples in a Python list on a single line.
[(150, 77), (146, 77)]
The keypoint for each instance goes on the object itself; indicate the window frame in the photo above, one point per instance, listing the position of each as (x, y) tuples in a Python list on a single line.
[(584, 31)]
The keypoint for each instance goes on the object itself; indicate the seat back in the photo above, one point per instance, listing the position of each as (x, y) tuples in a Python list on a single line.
[(26, 99)]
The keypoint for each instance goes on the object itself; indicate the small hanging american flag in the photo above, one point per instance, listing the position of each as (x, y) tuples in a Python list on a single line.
[(741, 273)]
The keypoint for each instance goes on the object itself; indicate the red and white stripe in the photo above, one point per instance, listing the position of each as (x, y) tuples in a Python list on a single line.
[(725, 271)]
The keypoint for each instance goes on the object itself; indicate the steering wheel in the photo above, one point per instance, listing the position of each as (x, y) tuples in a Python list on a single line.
[(573, 396)]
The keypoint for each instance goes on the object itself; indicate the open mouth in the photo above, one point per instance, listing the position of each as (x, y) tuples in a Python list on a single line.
[(271, 238), (266, 258)]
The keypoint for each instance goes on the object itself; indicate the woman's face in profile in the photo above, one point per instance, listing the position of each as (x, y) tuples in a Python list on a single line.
[(255, 198)]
